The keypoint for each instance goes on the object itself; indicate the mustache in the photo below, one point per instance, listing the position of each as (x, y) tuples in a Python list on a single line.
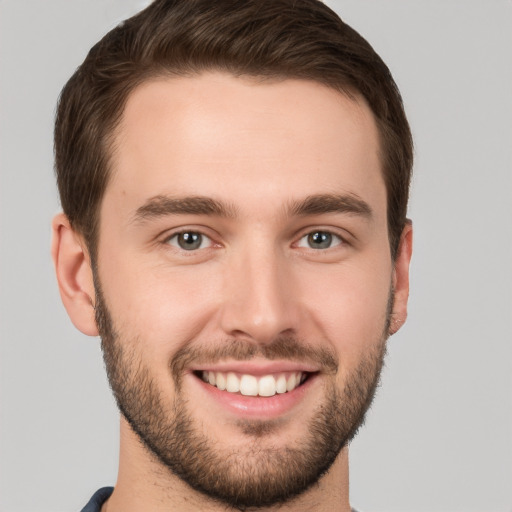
[(288, 348)]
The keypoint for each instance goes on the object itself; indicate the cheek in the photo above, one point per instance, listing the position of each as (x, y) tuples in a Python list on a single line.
[(350, 305), (164, 307)]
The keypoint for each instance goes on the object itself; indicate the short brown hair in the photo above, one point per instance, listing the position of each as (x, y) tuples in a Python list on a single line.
[(274, 39)]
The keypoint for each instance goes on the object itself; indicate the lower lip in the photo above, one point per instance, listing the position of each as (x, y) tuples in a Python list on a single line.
[(256, 406)]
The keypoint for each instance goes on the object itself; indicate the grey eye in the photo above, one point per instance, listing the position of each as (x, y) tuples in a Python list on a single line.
[(319, 240), (189, 240)]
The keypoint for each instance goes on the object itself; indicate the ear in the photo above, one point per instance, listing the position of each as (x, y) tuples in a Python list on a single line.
[(74, 275), (401, 279)]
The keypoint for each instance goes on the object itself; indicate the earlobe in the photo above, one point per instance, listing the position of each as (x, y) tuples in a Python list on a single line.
[(401, 279), (74, 275)]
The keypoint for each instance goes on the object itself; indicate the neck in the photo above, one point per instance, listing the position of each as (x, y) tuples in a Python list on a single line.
[(144, 484)]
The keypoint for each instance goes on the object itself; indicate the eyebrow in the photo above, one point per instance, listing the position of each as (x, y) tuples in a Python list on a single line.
[(332, 203), (160, 206)]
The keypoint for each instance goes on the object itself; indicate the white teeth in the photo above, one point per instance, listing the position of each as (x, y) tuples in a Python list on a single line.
[(281, 384), (290, 383), (221, 381), (249, 385), (267, 386), (232, 383)]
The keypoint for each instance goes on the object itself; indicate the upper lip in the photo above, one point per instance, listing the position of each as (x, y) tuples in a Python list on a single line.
[(257, 368)]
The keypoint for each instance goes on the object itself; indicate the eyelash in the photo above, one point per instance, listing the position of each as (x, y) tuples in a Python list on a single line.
[(189, 232), (334, 238)]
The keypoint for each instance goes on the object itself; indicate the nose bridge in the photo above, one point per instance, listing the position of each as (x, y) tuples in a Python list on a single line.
[(258, 302)]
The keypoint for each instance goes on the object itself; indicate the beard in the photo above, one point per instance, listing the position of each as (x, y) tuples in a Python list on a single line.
[(256, 475)]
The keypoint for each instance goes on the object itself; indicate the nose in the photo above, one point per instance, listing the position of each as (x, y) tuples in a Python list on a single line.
[(260, 300)]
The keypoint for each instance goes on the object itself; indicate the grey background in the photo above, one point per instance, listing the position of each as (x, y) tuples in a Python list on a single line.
[(439, 436)]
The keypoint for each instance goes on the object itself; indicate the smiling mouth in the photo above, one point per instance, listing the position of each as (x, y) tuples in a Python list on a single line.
[(251, 385)]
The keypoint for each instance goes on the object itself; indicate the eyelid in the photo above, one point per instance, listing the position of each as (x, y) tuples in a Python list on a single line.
[(342, 235), (204, 240), (336, 243), (200, 230)]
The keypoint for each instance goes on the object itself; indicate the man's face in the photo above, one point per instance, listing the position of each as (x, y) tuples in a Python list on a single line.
[(243, 245)]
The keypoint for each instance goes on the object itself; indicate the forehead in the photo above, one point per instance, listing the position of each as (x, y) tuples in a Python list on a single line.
[(216, 134)]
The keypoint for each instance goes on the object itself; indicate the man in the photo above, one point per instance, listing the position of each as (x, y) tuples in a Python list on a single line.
[(234, 178)]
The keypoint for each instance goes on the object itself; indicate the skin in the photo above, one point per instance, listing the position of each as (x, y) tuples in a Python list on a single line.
[(257, 147)]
